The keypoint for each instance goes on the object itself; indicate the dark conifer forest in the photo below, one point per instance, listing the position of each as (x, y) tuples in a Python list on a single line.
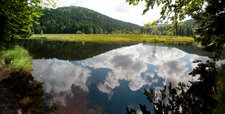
[(78, 20)]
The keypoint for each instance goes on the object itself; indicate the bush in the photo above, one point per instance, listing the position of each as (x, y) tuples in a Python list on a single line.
[(79, 32)]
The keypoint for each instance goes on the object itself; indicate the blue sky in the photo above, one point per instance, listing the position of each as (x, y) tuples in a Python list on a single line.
[(117, 9)]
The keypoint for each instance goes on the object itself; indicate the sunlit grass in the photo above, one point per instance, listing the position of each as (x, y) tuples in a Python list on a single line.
[(113, 38), (16, 57)]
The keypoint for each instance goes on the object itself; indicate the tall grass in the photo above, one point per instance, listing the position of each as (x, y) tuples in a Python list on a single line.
[(16, 57)]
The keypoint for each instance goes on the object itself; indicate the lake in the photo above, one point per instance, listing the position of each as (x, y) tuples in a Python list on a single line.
[(82, 77)]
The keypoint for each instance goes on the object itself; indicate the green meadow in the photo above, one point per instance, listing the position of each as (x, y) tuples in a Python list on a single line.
[(113, 38)]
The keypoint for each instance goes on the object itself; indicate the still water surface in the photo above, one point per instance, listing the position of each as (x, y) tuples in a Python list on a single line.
[(107, 78)]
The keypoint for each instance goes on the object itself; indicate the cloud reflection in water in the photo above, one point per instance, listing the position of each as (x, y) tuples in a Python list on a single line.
[(131, 64), (59, 76)]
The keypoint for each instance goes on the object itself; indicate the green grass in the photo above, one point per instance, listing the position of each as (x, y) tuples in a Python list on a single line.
[(113, 38), (16, 57), (220, 87)]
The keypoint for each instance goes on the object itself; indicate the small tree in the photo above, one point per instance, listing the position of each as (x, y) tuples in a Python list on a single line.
[(154, 27), (79, 32)]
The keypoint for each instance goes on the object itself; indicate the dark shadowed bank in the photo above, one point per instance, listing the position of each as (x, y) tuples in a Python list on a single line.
[(20, 92)]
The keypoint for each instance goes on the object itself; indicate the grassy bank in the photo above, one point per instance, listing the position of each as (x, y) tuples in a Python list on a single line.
[(15, 57), (220, 87), (113, 38)]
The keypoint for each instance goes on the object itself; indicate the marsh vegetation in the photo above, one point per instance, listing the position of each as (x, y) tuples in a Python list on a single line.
[(114, 38)]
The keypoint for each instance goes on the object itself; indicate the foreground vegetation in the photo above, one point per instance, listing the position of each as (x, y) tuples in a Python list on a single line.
[(220, 87), (20, 92), (15, 57), (113, 38)]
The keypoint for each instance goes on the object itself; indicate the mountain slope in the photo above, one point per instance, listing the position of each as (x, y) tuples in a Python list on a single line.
[(81, 20)]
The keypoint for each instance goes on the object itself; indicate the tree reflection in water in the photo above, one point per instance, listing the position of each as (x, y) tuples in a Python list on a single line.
[(198, 98), (20, 93)]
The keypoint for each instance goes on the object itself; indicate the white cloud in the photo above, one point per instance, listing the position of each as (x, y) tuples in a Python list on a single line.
[(174, 71), (59, 76), (117, 9), (203, 59), (130, 64), (61, 3), (57, 81)]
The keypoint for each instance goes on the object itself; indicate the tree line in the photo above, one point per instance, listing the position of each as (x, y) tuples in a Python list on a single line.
[(79, 20)]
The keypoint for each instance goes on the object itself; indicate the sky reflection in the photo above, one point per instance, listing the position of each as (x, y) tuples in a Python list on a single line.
[(133, 67), (131, 64), (59, 76)]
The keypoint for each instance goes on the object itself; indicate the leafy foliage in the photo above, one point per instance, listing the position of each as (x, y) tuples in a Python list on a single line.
[(210, 14), (212, 30), (16, 17)]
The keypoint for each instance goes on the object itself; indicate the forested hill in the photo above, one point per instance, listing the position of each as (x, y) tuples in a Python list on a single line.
[(81, 20)]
